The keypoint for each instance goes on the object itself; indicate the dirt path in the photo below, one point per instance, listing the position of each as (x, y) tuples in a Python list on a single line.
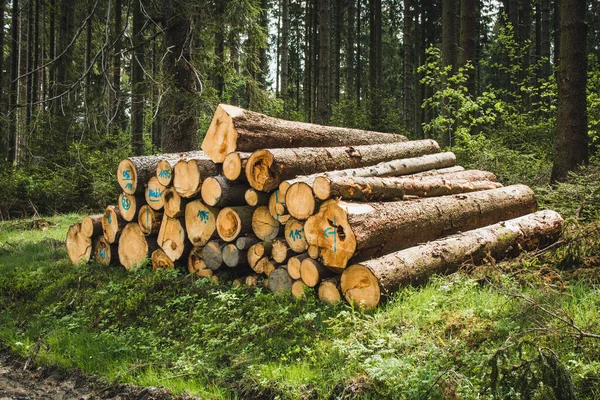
[(53, 383)]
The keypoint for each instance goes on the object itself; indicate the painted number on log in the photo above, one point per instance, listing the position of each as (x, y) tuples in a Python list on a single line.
[(102, 253), (127, 175), (154, 195), (125, 203), (164, 173), (203, 216), (332, 231), (109, 219), (296, 234), (129, 186)]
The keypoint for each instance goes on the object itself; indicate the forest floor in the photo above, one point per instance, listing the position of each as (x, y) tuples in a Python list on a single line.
[(525, 328)]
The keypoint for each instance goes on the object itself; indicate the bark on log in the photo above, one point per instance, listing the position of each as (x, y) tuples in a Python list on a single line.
[(281, 251), (91, 226), (264, 226), (134, 172), (79, 245), (112, 223), (300, 201), (312, 272), (233, 222), (154, 194), (245, 242), (174, 204), (277, 207), (255, 198), (105, 253), (365, 230), (212, 254), (149, 220), (217, 191), (469, 175), (172, 238), (294, 264), (234, 166), (189, 172), (160, 260), (129, 206), (439, 171), (328, 291), (200, 222), (234, 257), (299, 289), (365, 283), (234, 128), (266, 169), (280, 281), (134, 247), (294, 236), (196, 265), (395, 167)]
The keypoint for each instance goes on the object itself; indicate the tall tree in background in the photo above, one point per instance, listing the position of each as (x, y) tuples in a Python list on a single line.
[(408, 44), (14, 83), (350, 52), (137, 81), (468, 40), (323, 101), (285, 33), (375, 63), (116, 114), (571, 146), (2, 90)]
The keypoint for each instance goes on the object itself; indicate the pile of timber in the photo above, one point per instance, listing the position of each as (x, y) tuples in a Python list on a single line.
[(300, 207)]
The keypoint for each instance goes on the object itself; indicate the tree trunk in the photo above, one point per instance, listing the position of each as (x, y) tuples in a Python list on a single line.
[(266, 169), (409, 63), (364, 283), (336, 59), (134, 247), (257, 252), (571, 145), (323, 103), (235, 129), (200, 222), (3, 91), (449, 8), (217, 191), (116, 112), (14, 83), (350, 58), (137, 81), (468, 39), (375, 63), (545, 39), (363, 230), (79, 245), (196, 265)]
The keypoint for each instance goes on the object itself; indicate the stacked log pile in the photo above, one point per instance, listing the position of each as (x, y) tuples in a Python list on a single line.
[(300, 207)]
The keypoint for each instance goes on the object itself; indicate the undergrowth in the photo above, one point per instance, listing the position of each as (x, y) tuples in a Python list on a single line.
[(525, 329)]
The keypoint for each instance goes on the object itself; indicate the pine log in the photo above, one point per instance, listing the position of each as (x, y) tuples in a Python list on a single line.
[(253, 280), (233, 222), (472, 175), (154, 194), (234, 166), (280, 281), (255, 198), (439, 171), (245, 242), (79, 245), (328, 291), (258, 251), (294, 235), (164, 172), (312, 272), (212, 254), (234, 257), (160, 260), (112, 223), (396, 167), (217, 191), (105, 253), (149, 220), (366, 230), (281, 251), (189, 172), (129, 206), (264, 226), (196, 265), (299, 289), (294, 264), (266, 169), (277, 207), (134, 247), (235, 129), (300, 201), (200, 222), (261, 266), (172, 237), (269, 267), (314, 252), (91, 226), (174, 204), (365, 283)]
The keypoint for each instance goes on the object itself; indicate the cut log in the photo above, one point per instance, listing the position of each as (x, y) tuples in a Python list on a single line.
[(312, 272), (105, 253), (134, 247), (164, 172), (293, 265), (129, 206), (160, 260), (269, 267), (234, 257), (261, 266), (200, 222), (112, 223), (280, 281), (328, 291), (299, 289), (277, 207), (281, 251), (233, 128), (300, 201), (472, 175), (79, 245), (313, 252), (294, 235), (264, 226), (154, 194), (217, 191), (174, 203), (258, 251), (171, 237), (212, 254), (367, 230), (149, 220), (196, 265), (395, 167), (189, 172), (245, 242), (439, 171), (364, 283), (234, 166), (91, 226), (255, 198), (134, 172), (253, 280), (233, 222), (266, 169)]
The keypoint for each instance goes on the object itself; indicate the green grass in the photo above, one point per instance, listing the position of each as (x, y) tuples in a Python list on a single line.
[(483, 333)]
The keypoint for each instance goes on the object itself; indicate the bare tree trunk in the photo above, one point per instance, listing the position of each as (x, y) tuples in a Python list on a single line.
[(375, 61), (3, 138), (14, 82), (358, 53), (545, 39), (323, 104), (137, 82), (350, 60), (468, 38), (156, 122), (285, 33), (409, 63), (220, 49), (116, 111), (336, 56)]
